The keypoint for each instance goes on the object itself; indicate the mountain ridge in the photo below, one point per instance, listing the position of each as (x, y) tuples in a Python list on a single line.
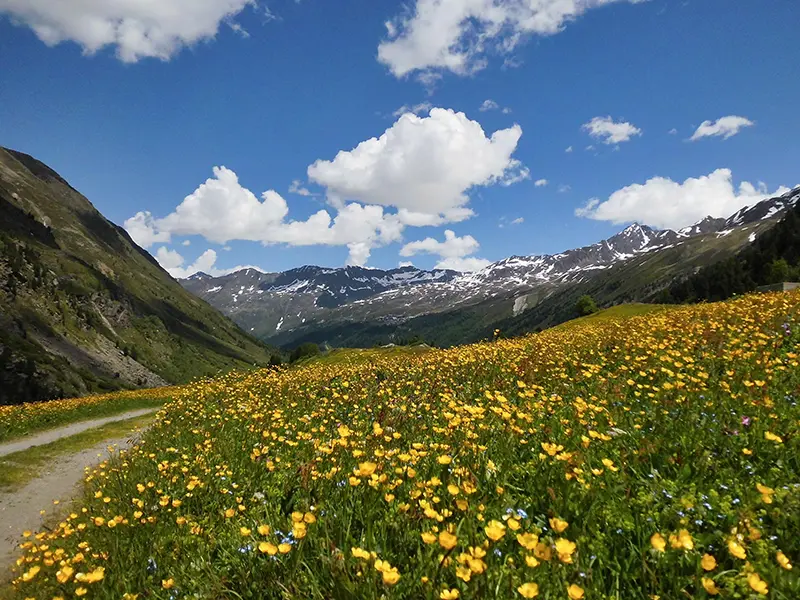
[(269, 304)]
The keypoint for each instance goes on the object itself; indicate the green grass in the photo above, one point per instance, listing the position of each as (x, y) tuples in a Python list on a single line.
[(340, 356), (620, 311), (21, 467)]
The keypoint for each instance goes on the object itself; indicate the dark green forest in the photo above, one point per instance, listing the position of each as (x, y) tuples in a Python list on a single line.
[(773, 257)]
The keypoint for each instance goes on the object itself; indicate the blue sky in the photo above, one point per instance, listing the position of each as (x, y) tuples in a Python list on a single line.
[(137, 105)]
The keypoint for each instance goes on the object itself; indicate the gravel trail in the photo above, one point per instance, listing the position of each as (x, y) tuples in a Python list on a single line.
[(67, 431), (20, 510)]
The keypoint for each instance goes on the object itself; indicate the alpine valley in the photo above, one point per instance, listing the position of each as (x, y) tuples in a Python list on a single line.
[(355, 306), (84, 309)]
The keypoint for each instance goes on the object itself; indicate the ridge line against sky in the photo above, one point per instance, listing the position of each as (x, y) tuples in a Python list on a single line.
[(472, 104)]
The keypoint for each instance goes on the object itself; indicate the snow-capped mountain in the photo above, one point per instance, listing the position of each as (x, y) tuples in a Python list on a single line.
[(268, 304)]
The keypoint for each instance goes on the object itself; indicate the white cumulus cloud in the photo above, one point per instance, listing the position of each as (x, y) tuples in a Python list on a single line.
[(541, 182), (418, 173), (423, 166), (724, 127), (664, 203), (609, 131), (173, 263), (142, 229), (460, 35), (488, 105), (135, 28), (421, 107), (221, 210), (453, 252), (296, 187)]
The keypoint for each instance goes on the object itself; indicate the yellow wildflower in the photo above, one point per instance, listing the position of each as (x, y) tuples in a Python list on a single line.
[(736, 549), (575, 592), (495, 530), (709, 586), (528, 590), (758, 584), (658, 542), (558, 525), (447, 540), (708, 562)]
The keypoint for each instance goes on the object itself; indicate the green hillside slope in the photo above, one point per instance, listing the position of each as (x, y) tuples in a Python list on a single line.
[(773, 257), (83, 308)]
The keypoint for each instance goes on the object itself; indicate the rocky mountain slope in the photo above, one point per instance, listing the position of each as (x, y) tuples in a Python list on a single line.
[(318, 304), (83, 308)]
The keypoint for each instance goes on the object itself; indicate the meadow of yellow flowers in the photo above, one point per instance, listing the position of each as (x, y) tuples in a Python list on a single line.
[(654, 457)]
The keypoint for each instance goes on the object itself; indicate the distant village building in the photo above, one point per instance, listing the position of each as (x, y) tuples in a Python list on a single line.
[(786, 286)]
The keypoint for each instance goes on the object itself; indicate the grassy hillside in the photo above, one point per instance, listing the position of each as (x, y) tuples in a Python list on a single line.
[(616, 457), (83, 308), (774, 257)]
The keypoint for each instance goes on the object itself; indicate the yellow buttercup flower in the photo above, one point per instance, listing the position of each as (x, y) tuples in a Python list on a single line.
[(543, 551), (682, 540), (92, 576), (658, 542), (428, 537), (268, 548), (736, 549), (565, 549), (757, 584), (575, 592), (450, 594), (558, 525), (527, 540), (783, 561), (709, 586), (708, 562), (64, 574), (495, 530), (365, 469), (528, 590), (447, 540)]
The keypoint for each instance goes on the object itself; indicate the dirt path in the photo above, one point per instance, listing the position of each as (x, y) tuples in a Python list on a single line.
[(20, 510), (67, 431)]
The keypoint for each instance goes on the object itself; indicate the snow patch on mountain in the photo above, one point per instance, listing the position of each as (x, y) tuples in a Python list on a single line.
[(273, 302)]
